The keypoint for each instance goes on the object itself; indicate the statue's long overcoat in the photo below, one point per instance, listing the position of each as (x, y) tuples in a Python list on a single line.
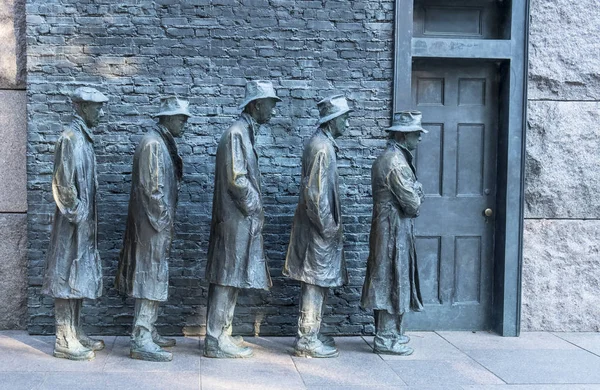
[(236, 255), (315, 254), (143, 270), (73, 268), (392, 279)]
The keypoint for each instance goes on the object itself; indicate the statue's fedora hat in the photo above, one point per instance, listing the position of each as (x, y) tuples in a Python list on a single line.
[(332, 107), (407, 122), (87, 94), (172, 105), (258, 90)]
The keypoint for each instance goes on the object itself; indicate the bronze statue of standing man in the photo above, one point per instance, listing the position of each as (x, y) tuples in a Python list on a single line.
[(315, 254), (236, 257), (74, 270), (391, 285), (143, 271)]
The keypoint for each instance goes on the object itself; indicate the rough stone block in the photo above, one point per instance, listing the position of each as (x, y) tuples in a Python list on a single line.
[(561, 177), (12, 48), (13, 271), (561, 282), (13, 133), (563, 51)]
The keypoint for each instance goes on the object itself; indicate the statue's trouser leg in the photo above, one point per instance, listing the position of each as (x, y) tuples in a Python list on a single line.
[(67, 345), (219, 317), (64, 314), (142, 345), (324, 304), (221, 305), (157, 338), (325, 339), (311, 306), (145, 315), (83, 338), (77, 317), (229, 322), (388, 339), (402, 338), (386, 328), (308, 342), (154, 317)]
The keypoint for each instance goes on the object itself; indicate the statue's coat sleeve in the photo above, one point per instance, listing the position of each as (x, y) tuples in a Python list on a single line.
[(64, 182), (402, 185), (317, 190), (152, 181), (243, 193)]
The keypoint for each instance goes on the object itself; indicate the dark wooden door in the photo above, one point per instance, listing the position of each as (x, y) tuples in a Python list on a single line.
[(456, 162)]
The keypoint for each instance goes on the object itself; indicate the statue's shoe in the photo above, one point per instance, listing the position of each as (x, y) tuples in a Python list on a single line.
[(225, 348), (237, 340), (314, 349), (93, 344), (402, 339), (396, 349), (326, 340), (163, 342), (150, 352), (75, 353)]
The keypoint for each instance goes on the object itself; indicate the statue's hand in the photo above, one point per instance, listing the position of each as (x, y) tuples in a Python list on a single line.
[(419, 190), (330, 231), (256, 223)]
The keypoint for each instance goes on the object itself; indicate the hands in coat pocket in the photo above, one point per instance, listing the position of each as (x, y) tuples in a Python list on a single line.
[(330, 230), (256, 223), (419, 190)]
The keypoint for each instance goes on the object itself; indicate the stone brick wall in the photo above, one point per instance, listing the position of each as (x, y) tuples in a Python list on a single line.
[(561, 256), (13, 196), (204, 51)]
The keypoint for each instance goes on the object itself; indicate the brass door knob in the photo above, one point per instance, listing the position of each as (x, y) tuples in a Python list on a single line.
[(488, 212)]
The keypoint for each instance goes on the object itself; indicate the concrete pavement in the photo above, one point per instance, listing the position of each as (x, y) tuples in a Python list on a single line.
[(442, 360)]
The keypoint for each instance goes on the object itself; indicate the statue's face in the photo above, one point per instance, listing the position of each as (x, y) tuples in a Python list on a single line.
[(412, 139), (175, 124), (264, 110), (91, 113), (339, 125)]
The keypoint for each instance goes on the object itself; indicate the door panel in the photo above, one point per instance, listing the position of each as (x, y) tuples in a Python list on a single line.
[(456, 162)]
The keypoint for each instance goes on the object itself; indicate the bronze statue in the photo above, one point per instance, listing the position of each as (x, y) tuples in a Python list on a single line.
[(236, 257), (391, 285), (143, 271), (315, 254), (74, 270)]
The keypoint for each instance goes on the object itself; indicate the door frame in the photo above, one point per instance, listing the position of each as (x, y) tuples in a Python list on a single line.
[(512, 55)]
